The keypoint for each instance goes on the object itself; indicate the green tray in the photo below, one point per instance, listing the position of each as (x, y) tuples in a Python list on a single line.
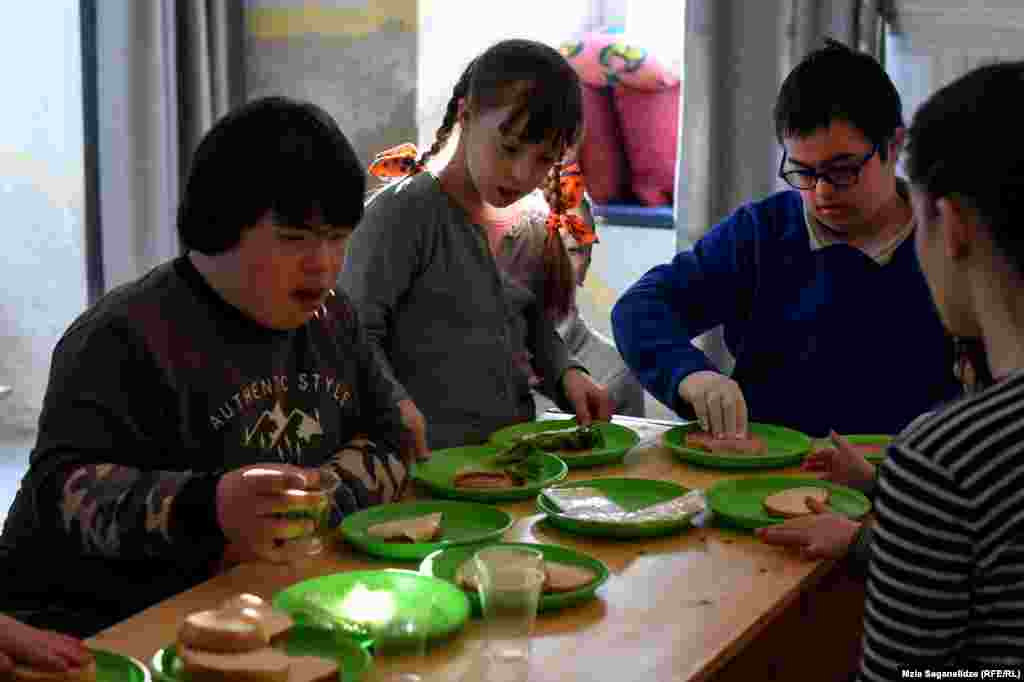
[(436, 474), (630, 494), (618, 441), (462, 523), (353, 660), (738, 502), (362, 598), (786, 447), (111, 667), (445, 563)]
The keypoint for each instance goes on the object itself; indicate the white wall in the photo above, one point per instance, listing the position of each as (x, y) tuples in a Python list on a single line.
[(447, 43), (42, 269)]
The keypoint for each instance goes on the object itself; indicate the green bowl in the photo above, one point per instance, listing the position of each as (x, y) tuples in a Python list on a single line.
[(445, 563), (363, 600), (462, 523), (112, 667), (353, 660), (618, 441), (738, 502), (785, 447), (436, 474), (628, 493)]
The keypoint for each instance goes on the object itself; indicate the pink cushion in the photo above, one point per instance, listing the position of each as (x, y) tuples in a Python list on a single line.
[(607, 59), (650, 127), (602, 154)]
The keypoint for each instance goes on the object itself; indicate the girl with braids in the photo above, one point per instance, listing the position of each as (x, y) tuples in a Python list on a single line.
[(458, 337)]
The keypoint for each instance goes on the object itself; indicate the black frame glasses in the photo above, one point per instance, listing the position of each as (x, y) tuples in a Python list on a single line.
[(846, 175)]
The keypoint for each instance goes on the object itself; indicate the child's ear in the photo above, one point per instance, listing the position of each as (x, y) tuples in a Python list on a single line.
[(959, 226), (899, 138), (463, 111)]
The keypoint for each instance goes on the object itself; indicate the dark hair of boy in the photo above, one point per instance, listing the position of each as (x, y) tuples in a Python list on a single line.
[(965, 141), (553, 104), (837, 83), (272, 154)]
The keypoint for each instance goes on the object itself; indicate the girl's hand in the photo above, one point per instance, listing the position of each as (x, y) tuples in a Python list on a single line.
[(590, 400), (821, 535), (414, 421), (842, 464), (43, 649)]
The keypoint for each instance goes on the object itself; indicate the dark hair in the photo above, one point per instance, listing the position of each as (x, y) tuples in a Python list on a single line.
[(965, 140), (552, 102), (836, 83), (272, 154)]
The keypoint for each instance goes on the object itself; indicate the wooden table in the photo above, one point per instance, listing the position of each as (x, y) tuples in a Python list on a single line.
[(705, 604)]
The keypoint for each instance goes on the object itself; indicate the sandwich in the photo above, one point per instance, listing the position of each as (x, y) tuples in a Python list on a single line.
[(792, 502), (486, 479), (307, 509), (419, 529), (558, 577), (233, 644)]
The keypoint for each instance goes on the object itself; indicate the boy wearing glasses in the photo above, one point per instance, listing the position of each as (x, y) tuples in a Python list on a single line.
[(818, 287)]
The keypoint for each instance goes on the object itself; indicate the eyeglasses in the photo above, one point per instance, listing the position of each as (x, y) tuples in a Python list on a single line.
[(844, 174)]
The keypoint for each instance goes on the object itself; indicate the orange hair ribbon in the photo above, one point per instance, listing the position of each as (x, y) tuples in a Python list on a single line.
[(395, 162), (571, 186)]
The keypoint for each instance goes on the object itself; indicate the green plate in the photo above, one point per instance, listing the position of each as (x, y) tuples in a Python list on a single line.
[(630, 494), (437, 472), (111, 667), (368, 598), (445, 563), (353, 660), (462, 523), (738, 502), (786, 447), (871, 439), (618, 441)]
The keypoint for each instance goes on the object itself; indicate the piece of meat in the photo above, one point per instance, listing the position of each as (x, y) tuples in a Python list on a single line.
[(485, 479), (868, 449), (702, 440)]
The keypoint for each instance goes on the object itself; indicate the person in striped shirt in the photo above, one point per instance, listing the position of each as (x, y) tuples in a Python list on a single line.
[(946, 579)]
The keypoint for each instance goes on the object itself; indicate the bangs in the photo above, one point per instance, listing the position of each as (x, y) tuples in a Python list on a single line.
[(312, 177), (550, 115)]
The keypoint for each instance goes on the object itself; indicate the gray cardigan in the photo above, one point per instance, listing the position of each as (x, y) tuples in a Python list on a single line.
[(453, 332)]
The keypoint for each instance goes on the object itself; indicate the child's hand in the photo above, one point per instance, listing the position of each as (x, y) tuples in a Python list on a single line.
[(43, 649), (590, 400), (841, 464), (821, 535)]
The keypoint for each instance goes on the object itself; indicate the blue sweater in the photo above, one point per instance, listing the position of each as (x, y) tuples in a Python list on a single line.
[(825, 339)]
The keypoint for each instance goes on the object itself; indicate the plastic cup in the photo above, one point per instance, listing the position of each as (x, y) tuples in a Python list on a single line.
[(509, 583)]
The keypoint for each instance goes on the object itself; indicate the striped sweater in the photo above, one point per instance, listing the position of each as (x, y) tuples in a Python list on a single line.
[(946, 581)]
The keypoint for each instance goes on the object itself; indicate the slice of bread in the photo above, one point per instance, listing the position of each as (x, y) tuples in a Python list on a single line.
[(84, 673), (565, 577), (418, 529), (791, 503), (225, 631), (262, 665)]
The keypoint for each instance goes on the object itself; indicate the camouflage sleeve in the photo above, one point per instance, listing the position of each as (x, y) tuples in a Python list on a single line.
[(370, 475), (119, 511), (373, 465)]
